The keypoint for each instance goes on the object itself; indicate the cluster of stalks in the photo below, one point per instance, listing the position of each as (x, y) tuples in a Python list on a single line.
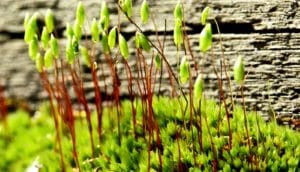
[(43, 49)]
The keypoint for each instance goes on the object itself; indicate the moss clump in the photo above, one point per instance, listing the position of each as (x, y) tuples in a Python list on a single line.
[(273, 147)]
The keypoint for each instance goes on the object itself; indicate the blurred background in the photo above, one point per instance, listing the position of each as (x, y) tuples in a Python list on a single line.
[(266, 33)]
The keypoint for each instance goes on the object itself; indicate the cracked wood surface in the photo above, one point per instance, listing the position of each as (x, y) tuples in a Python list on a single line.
[(266, 33)]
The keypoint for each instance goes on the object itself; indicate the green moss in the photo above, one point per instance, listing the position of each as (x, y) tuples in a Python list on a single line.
[(28, 137)]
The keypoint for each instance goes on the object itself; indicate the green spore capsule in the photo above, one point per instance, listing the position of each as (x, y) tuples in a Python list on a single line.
[(205, 40), (45, 38), (178, 11), (104, 16), (85, 56), (26, 20), (112, 37), (123, 47), (80, 13), (184, 70), (198, 87), (128, 4), (31, 28), (95, 30), (75, 46), (77, 30), (177, 33), (69, 31), (137, 40), (145, 12), (204, 15), (104, 42), (48, 58), (33, 48), (239, 70), (70, 54), (39, 62), (54, 46), (49, 20), (157, 62), (144, 42)]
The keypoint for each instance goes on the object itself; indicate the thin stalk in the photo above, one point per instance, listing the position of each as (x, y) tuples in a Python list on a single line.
[(49, 90), (159, 145), (246, 123), (158, 50), (213, 148), (224, 63), (69, 116), (222, 97), (186, 37), (191, 114), (131, 98), (98, 97), (79, 91)]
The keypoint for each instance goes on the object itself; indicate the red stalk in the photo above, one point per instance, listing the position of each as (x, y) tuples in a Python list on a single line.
[(3, 107), (131, 98)]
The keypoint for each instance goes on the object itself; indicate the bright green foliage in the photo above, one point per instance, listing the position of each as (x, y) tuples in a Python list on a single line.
[(104, 42), (198, 87), (39, 62), (145, 11), (123, 47), (177, 33), (49, 20), (205, 40), (239, 70), (157, 62), (184, 72), (104, 16), (80, 13), (204, 15), (131, 155), (31, 28), (77, 28), (45, 38), (33, 48), (178, 11), (112, 37), (48, 58), (54, 46), (95, 30), (85, 56)]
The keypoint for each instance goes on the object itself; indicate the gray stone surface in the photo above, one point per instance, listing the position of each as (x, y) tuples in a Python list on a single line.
[(266, 33)]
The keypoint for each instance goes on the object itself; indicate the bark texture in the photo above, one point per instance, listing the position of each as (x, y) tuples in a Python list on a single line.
[(266, 33)]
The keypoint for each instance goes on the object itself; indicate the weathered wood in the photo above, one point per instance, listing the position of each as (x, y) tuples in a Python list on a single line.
[(266, 33)]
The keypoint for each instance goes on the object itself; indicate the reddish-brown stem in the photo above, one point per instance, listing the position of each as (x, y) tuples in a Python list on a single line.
[(116, 91), (131, 98), (213, 148), (49, 90), (79, 91), (98, 97), (159, 146), (69, 116), (191, 113), (246, 123), (3, 107)]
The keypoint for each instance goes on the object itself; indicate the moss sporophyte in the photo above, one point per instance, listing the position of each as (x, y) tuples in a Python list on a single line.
[(149, 132)]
